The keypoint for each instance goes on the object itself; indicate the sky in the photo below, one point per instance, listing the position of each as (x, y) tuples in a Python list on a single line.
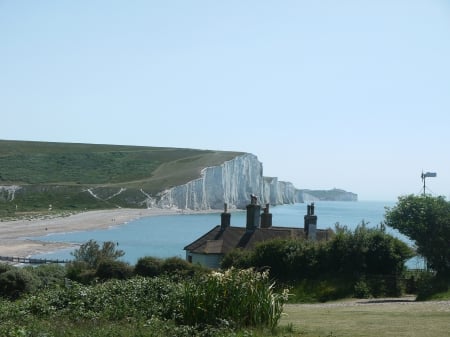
[(327, 94)]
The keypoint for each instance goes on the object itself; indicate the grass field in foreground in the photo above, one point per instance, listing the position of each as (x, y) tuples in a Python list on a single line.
[(370, 319)]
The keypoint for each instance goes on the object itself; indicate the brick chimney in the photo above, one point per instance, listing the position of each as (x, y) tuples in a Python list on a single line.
[(266, 218), (253, 214), (225, 217), (310, 223)]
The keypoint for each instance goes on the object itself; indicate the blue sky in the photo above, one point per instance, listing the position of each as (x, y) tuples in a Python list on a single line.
[(345, 94)]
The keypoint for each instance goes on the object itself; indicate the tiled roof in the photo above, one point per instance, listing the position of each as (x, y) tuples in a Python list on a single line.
[(221, 241)]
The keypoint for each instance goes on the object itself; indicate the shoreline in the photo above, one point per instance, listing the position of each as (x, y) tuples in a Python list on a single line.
[(16, 236)]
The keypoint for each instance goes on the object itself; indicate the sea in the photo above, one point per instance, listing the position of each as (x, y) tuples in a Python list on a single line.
[(166, 236)]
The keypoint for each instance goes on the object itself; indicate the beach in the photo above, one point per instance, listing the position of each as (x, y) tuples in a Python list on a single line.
[(15, 235)]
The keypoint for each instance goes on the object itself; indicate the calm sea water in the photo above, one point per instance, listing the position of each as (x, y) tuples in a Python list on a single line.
[(166, 236)]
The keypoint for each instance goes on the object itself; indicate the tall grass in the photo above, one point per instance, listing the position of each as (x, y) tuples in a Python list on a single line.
[(236, 297)]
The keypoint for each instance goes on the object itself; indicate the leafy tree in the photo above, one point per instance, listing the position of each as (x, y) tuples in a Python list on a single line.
[(426, 221), (91, 253), (89, 257)]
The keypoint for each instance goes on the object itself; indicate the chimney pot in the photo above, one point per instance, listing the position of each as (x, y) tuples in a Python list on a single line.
[(266, 218), (253, 213), (225, 217)]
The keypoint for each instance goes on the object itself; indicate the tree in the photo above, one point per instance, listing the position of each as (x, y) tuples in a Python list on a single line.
[(426, 221), (90, 257), (91, 253)]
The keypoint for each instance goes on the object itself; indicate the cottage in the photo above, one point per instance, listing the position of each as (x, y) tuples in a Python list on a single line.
[(209, 249)]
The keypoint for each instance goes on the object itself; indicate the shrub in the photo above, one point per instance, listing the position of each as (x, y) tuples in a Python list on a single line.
[(179, 269), (239, 297), (110, 269), (136, 298), (320, 290), (49, 274), (272, 255), (80, 271), (238, 258), (5, 267), (362, 290), (428, 285), (15, 282), (148, 266)]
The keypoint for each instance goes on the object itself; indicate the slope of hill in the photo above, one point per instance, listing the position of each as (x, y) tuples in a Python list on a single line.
[(66, 176)]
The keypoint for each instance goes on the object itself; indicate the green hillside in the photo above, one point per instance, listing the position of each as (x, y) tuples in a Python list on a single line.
[(60, 173)]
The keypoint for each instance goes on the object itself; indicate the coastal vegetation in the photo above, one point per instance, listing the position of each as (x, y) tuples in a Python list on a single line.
[(365, 262), (230, 303), (426, 221)]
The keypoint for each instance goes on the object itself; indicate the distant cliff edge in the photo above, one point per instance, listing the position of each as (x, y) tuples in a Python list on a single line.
[(233, 182), (328, 195)]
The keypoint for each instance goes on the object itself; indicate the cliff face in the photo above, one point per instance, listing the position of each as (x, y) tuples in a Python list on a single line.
[(232, 183)]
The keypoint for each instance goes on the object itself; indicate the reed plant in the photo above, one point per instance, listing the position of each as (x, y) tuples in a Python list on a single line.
[(237, 298)]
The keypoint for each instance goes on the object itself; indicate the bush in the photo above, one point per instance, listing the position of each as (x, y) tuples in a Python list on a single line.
[(137, 298), (428, 285), (237, 258), (238, 297), (362, 290), (15, 282), (5, 267), (49, 274), (80, 271), (320, 290), (148, 266), (179, 269), (110, 269)]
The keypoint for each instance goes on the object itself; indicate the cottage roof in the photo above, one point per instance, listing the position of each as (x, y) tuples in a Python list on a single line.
[(222, 240)]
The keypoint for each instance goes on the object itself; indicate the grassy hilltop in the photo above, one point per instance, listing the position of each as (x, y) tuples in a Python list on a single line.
[(60, 173)]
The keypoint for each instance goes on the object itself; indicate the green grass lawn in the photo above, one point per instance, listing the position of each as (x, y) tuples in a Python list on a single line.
[(352, 319)]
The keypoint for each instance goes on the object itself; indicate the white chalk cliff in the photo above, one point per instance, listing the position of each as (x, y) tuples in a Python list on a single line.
[(231, 183)]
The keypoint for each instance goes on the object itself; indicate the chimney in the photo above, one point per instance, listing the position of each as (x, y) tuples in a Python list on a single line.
[(310, 223), (253, 214), (266, 218), (225, 217)]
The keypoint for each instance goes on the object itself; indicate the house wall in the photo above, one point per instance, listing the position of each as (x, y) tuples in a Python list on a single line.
[(207, 260)]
